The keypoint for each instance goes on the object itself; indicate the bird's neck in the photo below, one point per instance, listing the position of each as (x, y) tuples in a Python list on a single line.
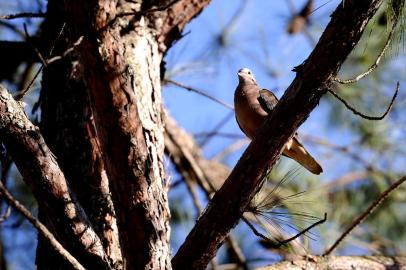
[(243, 83)]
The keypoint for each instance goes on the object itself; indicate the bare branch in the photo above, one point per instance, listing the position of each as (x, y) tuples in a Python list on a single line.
[(374, 65), (271, 243), (40, 227), (356, 112), (6, 215), (23, 92), (22, 15), (66, 52), (216, 128), (192, 89), (365, 214), (173, 24)]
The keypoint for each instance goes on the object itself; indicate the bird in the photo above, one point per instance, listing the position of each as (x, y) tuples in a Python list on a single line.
[(252, 106)]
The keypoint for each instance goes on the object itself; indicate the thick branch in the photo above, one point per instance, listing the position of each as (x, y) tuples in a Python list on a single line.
[(302, 96), (341, 262), (173, 20), (42, 173)]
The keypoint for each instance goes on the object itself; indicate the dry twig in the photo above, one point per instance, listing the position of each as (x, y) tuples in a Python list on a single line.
[(192, 89), (365, 214), (22, 93), (356, 112), (279, 243), (22, 15), (374, 65), (40, 227)]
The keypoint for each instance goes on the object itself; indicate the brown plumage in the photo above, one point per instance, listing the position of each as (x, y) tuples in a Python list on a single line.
[(252, 106)]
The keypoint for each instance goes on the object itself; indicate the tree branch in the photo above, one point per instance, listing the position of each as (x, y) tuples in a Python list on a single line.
[(22, 15), (340, 262), (366, 213), (40, 227), (200, 92), (175, 18), (368, 117), (43, 175), (312, 81)]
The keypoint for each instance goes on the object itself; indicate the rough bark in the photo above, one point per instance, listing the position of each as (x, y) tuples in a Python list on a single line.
[(121, 65), (343, 262), (68, 128), (313, 78), (121, 59), (42, 173)]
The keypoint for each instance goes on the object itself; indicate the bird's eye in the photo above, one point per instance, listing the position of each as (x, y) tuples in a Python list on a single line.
[(249, 72)]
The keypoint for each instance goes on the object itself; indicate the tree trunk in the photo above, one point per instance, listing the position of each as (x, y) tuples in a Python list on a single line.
[(122, 76)]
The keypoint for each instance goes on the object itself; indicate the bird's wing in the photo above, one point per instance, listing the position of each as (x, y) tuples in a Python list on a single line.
[(267, 100)]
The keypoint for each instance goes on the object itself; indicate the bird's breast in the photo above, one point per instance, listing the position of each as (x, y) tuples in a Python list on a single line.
[(249, 113)]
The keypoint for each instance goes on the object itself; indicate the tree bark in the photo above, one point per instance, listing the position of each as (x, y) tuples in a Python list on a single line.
[(313, 78), (121, 65), (342, 262), (68, 127), (121, 60)]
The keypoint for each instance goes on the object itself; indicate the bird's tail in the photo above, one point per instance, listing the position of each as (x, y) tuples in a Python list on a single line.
[(295, 150)]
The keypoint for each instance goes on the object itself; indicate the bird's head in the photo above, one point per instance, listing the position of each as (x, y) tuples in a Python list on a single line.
[(246, 76)]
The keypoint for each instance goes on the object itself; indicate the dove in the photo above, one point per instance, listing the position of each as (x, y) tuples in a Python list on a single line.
[(253, 105)]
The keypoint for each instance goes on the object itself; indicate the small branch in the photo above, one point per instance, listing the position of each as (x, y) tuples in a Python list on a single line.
[(40, 227), (365, 214), (172, 24), (283, 242), (321, 221), (237, 145), (6, 215), (192, 89), (374, 65), (22, 15), (12, 27), (204, 135), (65, 53), (195, 199), (216, 128), (28, 39), (354, 111), (22, 93)]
